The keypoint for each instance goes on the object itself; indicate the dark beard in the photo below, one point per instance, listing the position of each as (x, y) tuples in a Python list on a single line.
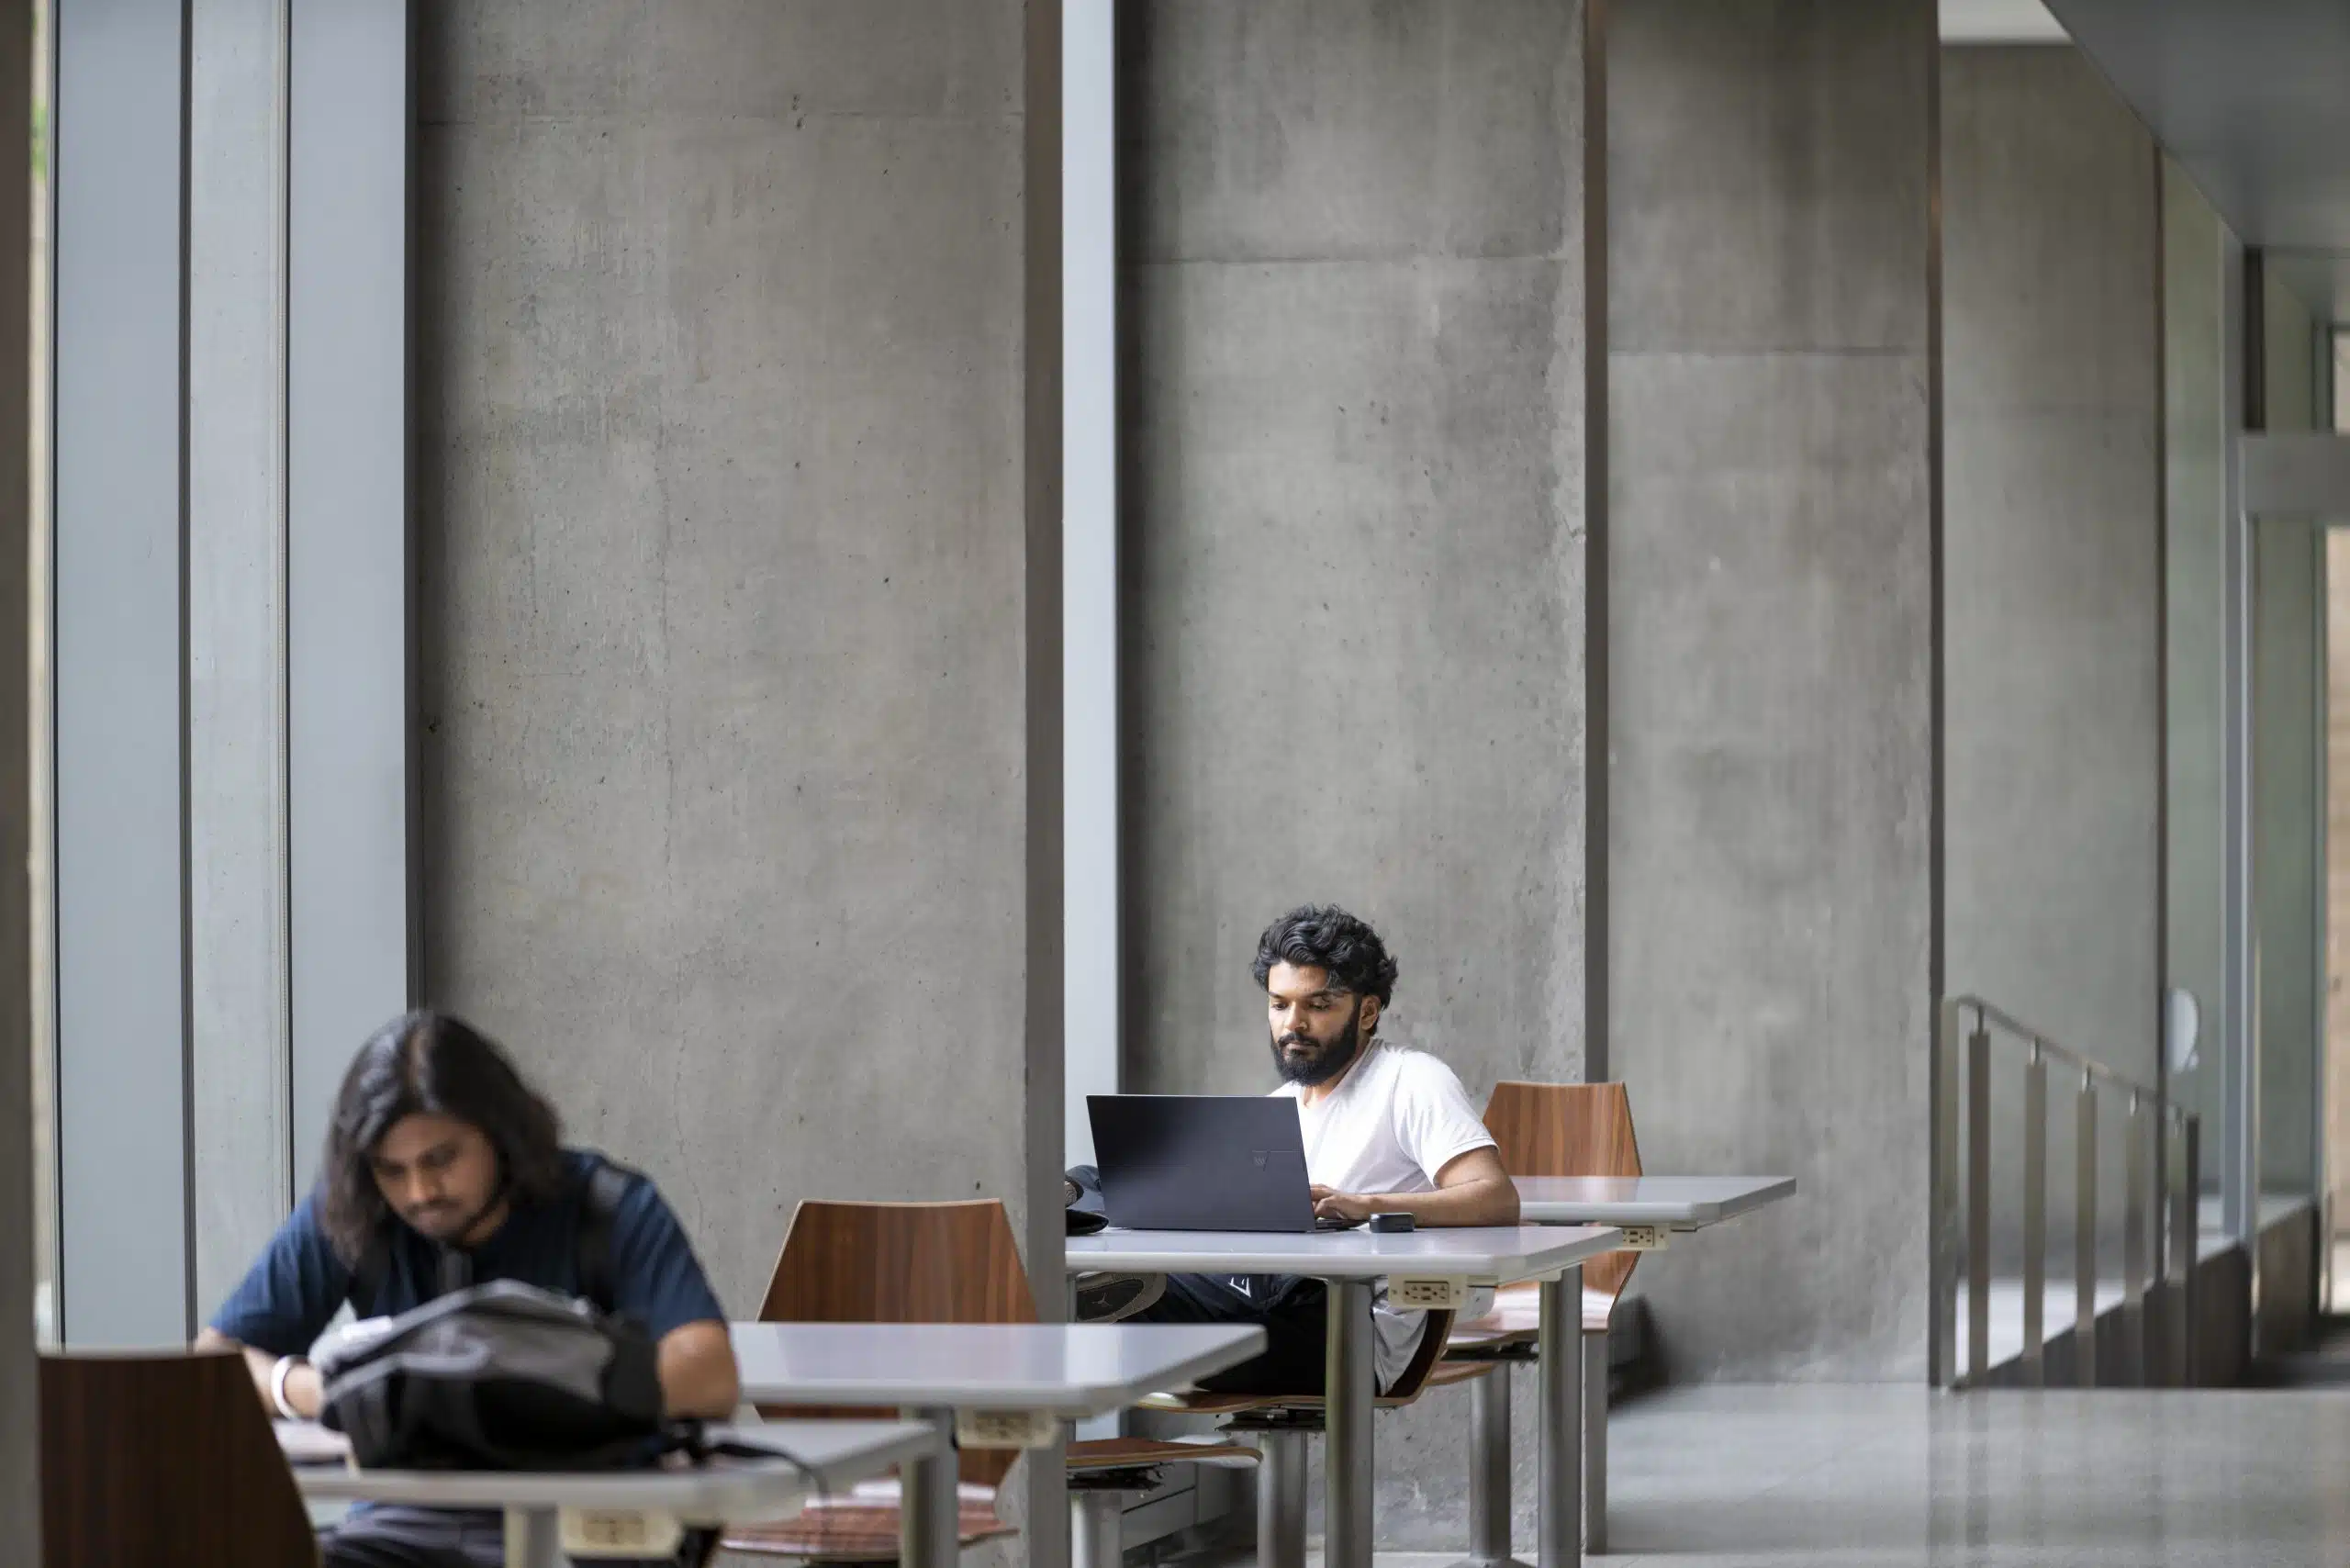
[(1320, 1070)]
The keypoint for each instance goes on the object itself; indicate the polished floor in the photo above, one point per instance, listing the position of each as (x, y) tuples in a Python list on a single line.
[(1757, 1477)]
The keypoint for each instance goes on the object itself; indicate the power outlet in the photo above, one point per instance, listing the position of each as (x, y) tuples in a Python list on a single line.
[(620, 1532), (1645, 1238), (1427, 1293), (1006, 1429)]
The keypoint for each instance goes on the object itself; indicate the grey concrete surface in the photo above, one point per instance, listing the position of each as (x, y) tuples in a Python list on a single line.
[(726, 560), (19, 1369), (2288, 662), (1353, 518), (1776, 1477), (236, 637), (2289, 872), (2194, 542), (1772, 338), (1352, 474), (2052, 549), (2053, 562)]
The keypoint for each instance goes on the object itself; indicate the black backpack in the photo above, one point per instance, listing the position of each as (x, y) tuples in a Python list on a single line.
[(500, 1376)]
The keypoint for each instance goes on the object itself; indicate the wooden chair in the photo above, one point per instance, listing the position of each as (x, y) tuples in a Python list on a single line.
[(1549, 1130), (1282, 1424), (950, 1262), (163, 1459)]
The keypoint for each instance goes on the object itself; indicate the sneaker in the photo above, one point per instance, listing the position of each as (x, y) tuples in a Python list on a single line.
[(1110, 1298)]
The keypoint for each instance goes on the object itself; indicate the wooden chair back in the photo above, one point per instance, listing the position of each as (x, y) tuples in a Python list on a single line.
[(852, 1263), (1415, 1375), (1570, 1129), (164, 1458)]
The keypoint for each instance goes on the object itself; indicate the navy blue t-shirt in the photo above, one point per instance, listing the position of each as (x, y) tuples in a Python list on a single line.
[(298, 1283)]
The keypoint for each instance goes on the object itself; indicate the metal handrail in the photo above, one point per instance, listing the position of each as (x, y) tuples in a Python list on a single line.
[(2176, 1136), (1991, 1013)]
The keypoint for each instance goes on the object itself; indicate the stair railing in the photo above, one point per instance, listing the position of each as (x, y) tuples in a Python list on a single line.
[(2159, 1227)]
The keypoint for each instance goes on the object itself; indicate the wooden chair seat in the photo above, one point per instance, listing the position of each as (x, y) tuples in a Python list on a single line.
[(861, 1526), (1517, 1319), (1427, 1369), (1146, 1453), (1447, 1375)]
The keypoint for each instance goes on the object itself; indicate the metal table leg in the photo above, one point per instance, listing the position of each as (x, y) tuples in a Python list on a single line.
[(1489, 1501), (533, 1538), (1595, 1444), (1281, 1500), (1352, 1390), (1561, 1381), (929, 1515), (1096, 1528)]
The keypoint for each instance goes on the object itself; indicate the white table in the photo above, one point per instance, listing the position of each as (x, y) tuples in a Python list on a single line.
[(1350, 1262), (616, 1506), (1647, 1209), (1671, 1202), (936, 1371)]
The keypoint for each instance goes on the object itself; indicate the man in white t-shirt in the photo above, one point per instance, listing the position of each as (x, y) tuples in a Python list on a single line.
[(1387, 1129)]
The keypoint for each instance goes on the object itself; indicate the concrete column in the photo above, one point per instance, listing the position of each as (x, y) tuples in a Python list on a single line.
[(2288, 730), (1774, 387), (738, 604), (1357, 539), (2054, 576), (19, 1369), (1354, 517), (236, 633), (2195, 465), (2288, 762)]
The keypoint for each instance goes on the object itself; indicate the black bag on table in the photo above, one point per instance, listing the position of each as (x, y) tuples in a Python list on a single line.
[(499, 1376)]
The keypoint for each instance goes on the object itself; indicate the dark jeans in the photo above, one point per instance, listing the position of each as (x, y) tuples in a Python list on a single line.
[(390, 1535), (1293, 1312)]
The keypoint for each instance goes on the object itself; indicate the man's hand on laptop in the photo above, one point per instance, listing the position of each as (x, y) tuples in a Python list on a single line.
[(1471, 1188), (1352, 1207)]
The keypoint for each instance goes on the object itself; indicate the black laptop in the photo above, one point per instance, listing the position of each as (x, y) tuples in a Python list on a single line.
[(1203, 1163)]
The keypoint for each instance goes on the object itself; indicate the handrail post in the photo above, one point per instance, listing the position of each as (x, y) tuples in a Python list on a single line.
[(2186, 1243), (2134, 1242), (2084, 1233), (2035, 1216), (1979, 1204), (1942, 1235)]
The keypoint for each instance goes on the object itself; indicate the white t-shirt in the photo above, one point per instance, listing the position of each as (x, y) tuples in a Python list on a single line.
[(1398, 1117)]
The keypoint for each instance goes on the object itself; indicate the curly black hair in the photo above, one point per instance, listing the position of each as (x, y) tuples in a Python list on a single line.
[(430, 1063), (1324, 936)]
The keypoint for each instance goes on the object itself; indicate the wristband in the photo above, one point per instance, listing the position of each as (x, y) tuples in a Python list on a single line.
[(277, 1387)]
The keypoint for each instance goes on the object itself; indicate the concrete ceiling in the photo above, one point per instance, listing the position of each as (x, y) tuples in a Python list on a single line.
[(2252, 98)]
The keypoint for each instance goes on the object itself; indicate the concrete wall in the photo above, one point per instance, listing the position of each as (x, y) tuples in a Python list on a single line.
[(236, 637), (2195, 561), (19, 1370), (736, 537), (2052, 549), (2289, 640), (2288, 637), (2336, 1079), (1353, 517), (2053, 579), (1352, 476), (1774, 346)]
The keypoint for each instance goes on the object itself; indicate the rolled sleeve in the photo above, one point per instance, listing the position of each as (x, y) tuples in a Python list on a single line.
[(292, 1292)]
